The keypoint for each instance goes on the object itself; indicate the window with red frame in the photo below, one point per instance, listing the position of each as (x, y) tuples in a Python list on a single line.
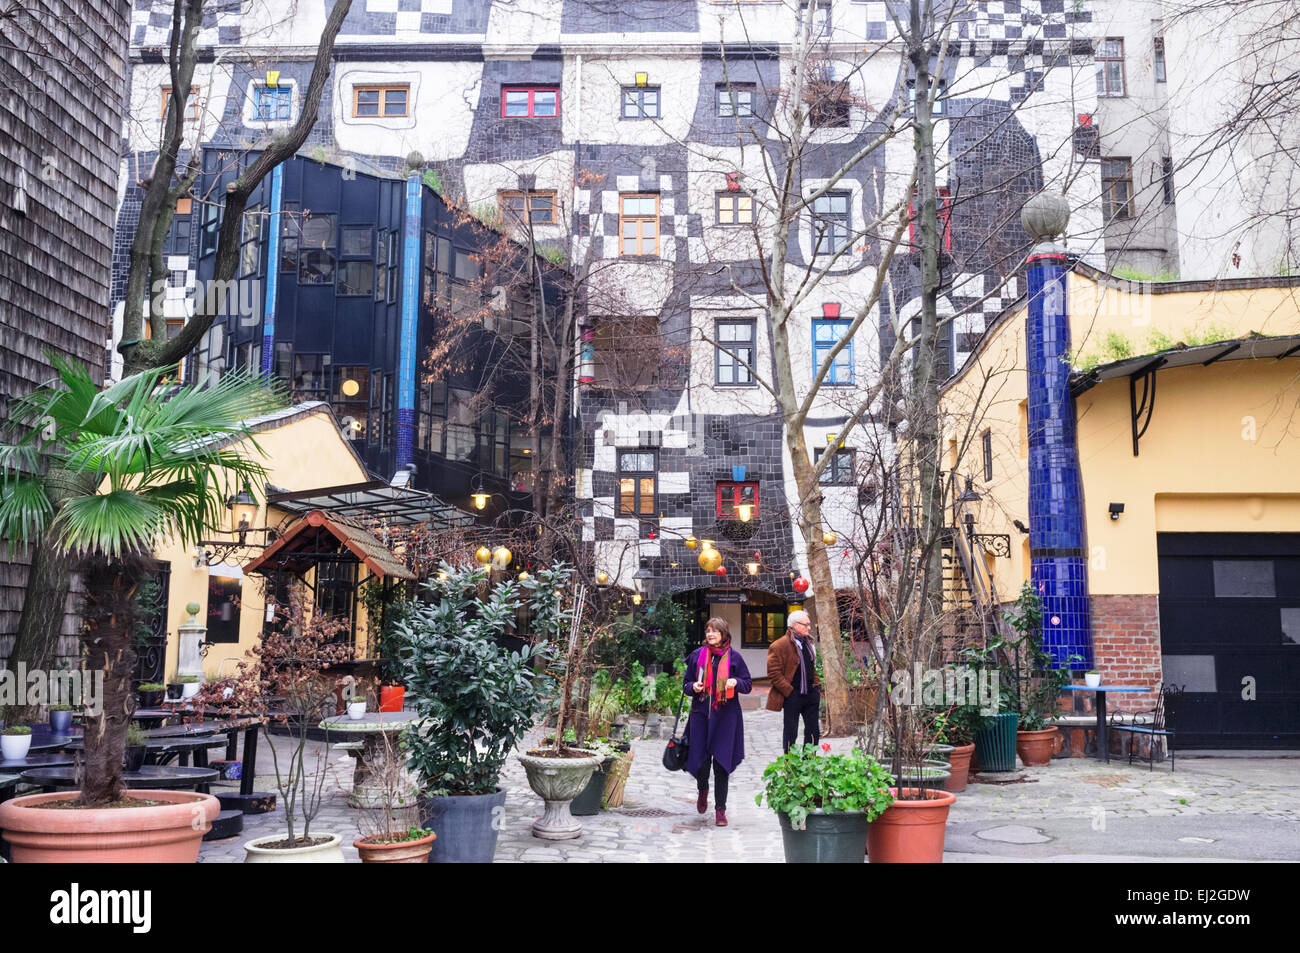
[(731, 495), (945, 219), (522, 102)]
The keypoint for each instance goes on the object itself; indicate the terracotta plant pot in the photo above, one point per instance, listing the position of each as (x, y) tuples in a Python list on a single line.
[(169, 833), (403, 852), (327, 853), (910, 832), (1035, 747), (959, 759)]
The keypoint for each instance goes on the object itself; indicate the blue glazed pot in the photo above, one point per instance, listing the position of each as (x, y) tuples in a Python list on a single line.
[(467, 826)]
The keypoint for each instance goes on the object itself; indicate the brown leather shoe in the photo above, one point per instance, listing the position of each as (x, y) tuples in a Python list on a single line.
[(702, 802), (720, 818)]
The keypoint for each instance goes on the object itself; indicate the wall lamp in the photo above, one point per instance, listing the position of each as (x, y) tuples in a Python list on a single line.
[(1115, 510)]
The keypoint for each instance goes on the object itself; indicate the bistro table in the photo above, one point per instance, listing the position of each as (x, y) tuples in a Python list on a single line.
[(45, 739), (1103, 742), (378, 731), (163, 776), (45, 759), (163, 749)]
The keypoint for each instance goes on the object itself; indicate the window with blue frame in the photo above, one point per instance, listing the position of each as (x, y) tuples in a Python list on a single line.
[(826, 334), (272, 104)]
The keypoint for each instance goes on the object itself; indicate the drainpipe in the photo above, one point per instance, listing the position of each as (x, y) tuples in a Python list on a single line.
[(406, 356), (1058, 547), (272, 270)]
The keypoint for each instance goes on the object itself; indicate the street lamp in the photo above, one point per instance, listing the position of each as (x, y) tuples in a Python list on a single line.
[(243, 507)]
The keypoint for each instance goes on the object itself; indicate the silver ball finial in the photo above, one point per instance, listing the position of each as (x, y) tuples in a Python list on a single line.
[(1045, 216), (414, 160)]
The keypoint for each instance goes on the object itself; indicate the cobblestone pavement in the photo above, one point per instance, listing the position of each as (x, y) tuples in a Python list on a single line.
[(1070, 810)]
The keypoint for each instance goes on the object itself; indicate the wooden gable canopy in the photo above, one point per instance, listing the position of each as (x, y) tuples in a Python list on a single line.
[(317, 538)]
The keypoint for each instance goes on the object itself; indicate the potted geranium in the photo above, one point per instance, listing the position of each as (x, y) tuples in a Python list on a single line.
[(15, 742), (825, 802), (476, 700), (77, 477)]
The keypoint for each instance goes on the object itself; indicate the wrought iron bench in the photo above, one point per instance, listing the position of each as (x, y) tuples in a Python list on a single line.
[(1156, 723)]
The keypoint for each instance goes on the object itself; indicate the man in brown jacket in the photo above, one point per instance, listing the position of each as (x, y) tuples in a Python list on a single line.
[(796, 689)]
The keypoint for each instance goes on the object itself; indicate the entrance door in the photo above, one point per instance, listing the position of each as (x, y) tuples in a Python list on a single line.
[(1230, 633)]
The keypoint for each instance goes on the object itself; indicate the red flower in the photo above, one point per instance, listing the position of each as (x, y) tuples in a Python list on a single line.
[(826, 746)]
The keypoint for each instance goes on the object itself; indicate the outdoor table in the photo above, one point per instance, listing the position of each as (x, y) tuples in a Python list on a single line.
[(1103, 742), (7, 783), (377, 730), (43, 760), (43, 739), (165, 747), (165, 776)]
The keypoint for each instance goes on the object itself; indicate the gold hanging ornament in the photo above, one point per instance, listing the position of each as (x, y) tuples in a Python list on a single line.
[(501, 558), (524, 577), (829, 538), (602, 578), (710, 559), (484, 555), (691, 542)]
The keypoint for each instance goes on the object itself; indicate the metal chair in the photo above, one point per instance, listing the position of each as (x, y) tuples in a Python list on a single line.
[(1158, 722)]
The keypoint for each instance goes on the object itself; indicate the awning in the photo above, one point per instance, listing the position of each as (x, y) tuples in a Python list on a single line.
[(373, 502), (1253, 347), (318, 537)]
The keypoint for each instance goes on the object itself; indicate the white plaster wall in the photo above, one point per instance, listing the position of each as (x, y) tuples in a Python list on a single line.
[(443, 98), (553, 172), (592, 108), (143, 126)]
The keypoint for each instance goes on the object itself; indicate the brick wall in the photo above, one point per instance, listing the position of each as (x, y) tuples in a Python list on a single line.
[(1126, 640)]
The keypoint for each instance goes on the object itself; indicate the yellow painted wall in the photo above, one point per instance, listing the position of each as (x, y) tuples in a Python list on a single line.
[(301, 455), (1222, 453)]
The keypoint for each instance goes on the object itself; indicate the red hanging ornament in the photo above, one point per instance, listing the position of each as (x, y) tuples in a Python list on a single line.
[(720, 571), (801, 585)]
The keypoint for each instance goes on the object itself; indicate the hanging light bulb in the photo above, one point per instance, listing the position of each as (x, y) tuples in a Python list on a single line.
[(442, 577), (480, 500), (745, 511), (483, 555), (753, 567), (636, 598)]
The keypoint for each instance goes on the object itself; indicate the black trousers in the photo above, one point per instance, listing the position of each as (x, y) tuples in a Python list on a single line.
[(809, 706), (720, 778)]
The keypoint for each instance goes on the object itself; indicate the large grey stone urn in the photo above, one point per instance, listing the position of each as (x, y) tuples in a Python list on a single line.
[(557, 781)]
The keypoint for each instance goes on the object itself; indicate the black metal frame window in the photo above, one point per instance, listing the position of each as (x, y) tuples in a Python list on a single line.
[(381, 264), (986, 449), (211, 228), (735, 100), (317, 250), (735, 340), (761, 623), (638, 484), (1167, 178), (432, 415), (336, 592), (356, 272), (1117, 187), (224, 594), (640, 102), (832, 222), (290, 226), (839, 472), (250, 241), (351, 398), (311, 377)]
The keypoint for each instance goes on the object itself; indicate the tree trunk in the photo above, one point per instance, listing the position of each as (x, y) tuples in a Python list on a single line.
[(110, 614), (41, 624)]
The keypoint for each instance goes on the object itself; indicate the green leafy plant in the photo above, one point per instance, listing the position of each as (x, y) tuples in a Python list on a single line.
[(151, 687), (16, 730), (189, 679), (1031, 673), (134, 734), (62, 708), (805, 779), (357, 699), (476, 698), (430, 178), (554, 255)]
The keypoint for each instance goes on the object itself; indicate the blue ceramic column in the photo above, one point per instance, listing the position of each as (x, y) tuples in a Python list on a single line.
[(272, 270), (1057, 536), (406, 356)]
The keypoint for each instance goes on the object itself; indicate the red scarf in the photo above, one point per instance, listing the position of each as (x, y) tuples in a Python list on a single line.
[(717, 688)]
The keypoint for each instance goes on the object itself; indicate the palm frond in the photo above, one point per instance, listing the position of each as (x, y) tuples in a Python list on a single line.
[(25, 509), (110, 524)]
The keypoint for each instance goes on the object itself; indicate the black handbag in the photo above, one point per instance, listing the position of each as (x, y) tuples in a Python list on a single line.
[(678, 750)]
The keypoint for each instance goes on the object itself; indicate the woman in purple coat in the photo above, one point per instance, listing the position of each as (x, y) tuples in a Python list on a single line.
[(715, 673)]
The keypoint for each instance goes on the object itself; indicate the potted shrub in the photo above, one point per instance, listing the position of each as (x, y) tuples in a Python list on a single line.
[(955, 728), (108, 505), (61, 719), (1035, 680), (477, 701), (357, 707), (291, 663), (190, 685), (1092, 678), (390, 834), (825, 802), (135, 747), (150, 694), (15, 742)]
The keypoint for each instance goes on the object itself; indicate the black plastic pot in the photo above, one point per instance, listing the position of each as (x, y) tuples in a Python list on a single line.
[(135, 757), (932, 777), (467, 826), (995, 744), (837, 838), (174, 691), (150, 699), (588, 802)]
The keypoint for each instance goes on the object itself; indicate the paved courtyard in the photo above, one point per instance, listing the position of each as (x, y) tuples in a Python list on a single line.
[(1211, 809)]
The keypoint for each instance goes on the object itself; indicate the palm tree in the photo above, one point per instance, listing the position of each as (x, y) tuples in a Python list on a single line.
[(123, 467)]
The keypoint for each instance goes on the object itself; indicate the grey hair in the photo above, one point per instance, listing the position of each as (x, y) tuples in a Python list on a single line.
[(798, 615)]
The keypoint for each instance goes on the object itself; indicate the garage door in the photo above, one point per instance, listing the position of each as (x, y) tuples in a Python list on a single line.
[(1230, 633)]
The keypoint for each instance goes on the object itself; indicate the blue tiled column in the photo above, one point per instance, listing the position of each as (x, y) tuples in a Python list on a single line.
[(1057, 536), (272, 270), (406, 355)]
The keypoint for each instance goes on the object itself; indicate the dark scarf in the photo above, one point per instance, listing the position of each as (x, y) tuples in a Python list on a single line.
[(805, 660)]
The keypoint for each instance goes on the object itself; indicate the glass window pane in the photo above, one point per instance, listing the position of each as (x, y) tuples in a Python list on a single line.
[(356, 278), (355, 242), (395, 102), (544, 103), (318, 231), (517, 102), (1244, 579)]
